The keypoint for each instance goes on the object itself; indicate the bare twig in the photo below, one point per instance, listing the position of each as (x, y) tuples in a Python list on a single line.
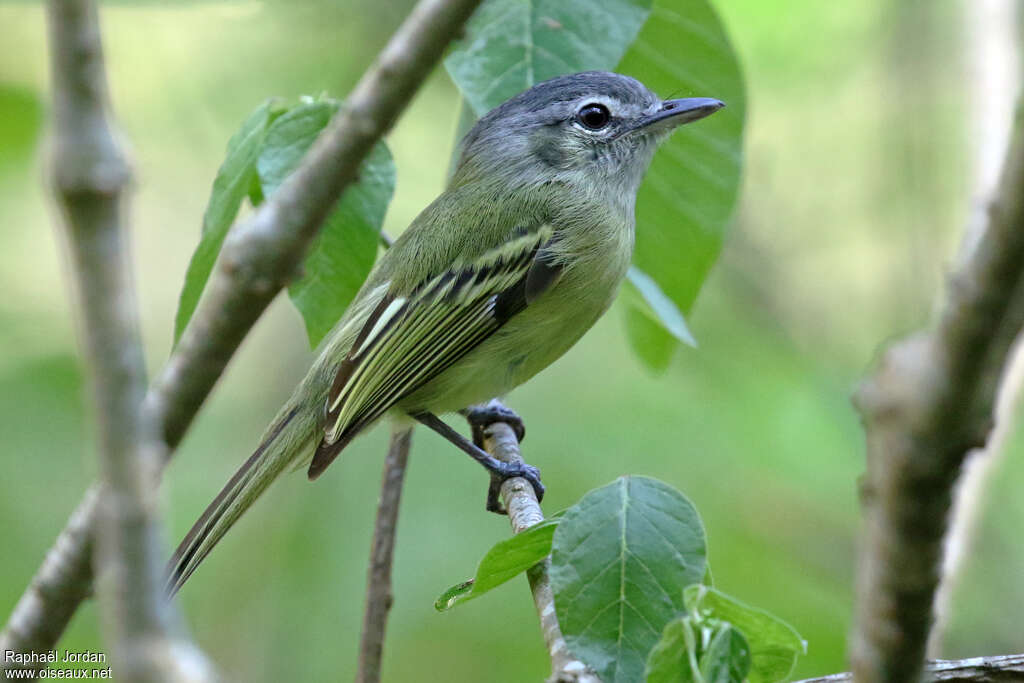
[(523, 512), (90, 177), (378, 580), (928, 404), (994, 61), (258, 258), (997, 669)]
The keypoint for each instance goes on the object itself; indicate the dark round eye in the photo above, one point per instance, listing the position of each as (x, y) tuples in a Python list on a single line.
[(594, 116)]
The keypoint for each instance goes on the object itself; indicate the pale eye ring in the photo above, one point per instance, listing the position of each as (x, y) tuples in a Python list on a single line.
[(593, 116)]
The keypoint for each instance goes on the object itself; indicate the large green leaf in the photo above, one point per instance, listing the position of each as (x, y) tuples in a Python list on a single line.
[(506, 560), (261, 155), (774, 644), (343, 253), (230, 187), (687, 198), (510, 44), (694, 650), (620, 559)]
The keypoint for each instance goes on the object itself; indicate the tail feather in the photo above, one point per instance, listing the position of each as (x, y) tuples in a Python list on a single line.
[(327, 452), (280, 446)]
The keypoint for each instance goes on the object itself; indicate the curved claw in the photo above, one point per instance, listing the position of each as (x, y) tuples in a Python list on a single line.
[(499, 477), (479, 417), (532, 475)]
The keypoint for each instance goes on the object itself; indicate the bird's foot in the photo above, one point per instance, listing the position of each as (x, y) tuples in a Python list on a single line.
[(481, 416), (506, 471)]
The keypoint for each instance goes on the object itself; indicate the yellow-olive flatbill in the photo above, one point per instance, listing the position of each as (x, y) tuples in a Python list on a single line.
[(491, 283)]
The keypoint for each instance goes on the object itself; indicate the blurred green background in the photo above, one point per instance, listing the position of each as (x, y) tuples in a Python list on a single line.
[(856, 188)]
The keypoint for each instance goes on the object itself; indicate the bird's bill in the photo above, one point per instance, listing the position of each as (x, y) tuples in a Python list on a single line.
[(677, 112)]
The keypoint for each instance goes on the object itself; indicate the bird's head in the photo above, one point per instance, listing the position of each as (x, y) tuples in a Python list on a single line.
[(596, 128)]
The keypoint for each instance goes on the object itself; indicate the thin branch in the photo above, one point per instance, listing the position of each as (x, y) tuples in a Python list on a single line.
[(997, 669), (378, 580), (523, 512), (994, 56), (926, 407), (259, 256), (90, 178)]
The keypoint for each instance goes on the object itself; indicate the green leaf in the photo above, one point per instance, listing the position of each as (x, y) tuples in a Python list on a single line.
[(687, 198), (774, 644), (673, 659), (510, 45), (619, 561), (652, 302), (726, 659), (453, 596), (692, 650), (230, 187), (504, 561), (654, 324), (343, 253), (652, 344)]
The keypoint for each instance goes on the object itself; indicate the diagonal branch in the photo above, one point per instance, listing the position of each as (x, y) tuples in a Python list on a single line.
[(523, 512), (90, 178), (928, 404), (259, 256)]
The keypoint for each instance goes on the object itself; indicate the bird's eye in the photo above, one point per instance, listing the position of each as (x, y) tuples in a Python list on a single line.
[(594, 116)]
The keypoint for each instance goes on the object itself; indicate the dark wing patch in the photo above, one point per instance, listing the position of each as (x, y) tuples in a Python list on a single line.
[(543, 273), (407, 341)]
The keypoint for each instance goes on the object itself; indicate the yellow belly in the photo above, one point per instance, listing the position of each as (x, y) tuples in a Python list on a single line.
[(525, 345)]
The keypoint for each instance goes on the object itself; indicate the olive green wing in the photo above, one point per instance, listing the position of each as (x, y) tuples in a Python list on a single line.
[(409, 340)]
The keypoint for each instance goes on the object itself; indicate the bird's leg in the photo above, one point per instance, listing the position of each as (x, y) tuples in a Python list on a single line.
[(500, 471), (479, 418), (484, 414)]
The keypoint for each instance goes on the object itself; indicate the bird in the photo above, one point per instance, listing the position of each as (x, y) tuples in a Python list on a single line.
[(492, 282)]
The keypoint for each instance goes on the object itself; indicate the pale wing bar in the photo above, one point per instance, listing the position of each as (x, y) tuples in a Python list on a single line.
[(409, 341), (431, 324)]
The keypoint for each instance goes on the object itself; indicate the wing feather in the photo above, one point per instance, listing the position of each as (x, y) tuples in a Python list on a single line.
[(409, 340)]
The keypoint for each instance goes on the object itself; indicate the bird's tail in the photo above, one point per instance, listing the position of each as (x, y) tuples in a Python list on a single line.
[(288, 440)]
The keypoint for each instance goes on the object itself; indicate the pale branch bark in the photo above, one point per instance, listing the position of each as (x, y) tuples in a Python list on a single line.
[(90, 178), (927, 405), (993, 61), (523, 512), (259, 256), (995, 669), (379, 596)]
